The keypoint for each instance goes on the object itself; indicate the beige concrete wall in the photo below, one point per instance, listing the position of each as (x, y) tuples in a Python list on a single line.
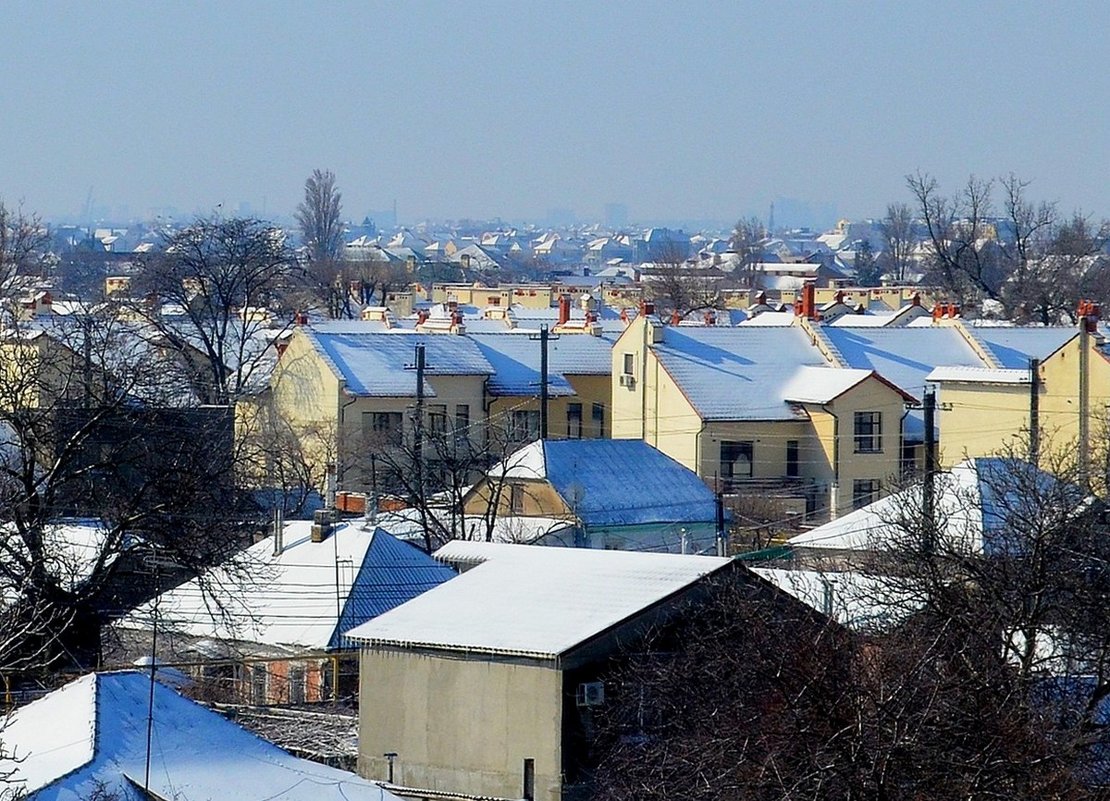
[(459, 725), (980, 419), (626, 403), (768, 440)]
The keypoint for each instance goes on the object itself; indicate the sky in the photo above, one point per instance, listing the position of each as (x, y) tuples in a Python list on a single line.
[(679, 111)]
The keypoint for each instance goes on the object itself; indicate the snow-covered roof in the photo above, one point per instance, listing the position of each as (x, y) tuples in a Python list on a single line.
[(739, 373), (979, 375), (516, 361), (857, 600), (93, 731), (614, 482), (531, 601), (978, 503), (770, 319), (1014, 346), (291, 603), (903, 356), (380, 365), (822, 384)]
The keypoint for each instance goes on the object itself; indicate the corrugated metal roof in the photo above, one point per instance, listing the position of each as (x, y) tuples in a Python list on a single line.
[(533, 601), (392, 573), (622, 482)]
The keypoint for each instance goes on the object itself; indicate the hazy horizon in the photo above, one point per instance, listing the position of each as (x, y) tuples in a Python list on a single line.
[(492, 110)]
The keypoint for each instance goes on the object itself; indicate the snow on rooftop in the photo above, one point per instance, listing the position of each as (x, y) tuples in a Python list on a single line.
[(821, 384), (614, 482), (856, 600), (381, 365), (93, 731), (979, 375), (739, 373), (533, 601), (291, 602)]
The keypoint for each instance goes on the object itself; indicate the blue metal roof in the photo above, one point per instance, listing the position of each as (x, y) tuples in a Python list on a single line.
[(392, 572), (515, 359), (622, 482), (1013, 347)]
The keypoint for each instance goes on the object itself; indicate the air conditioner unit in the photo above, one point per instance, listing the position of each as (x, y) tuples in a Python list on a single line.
[(628, 381), (591, 693)]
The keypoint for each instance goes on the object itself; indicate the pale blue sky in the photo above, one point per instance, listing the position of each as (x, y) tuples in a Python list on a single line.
[(678, 110)]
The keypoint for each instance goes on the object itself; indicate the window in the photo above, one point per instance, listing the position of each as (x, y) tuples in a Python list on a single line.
[(629, 360), (258, 684), (736, 460), (598, 414), (437, 419), (462, 423), (869, 432), (864, 491), (574, 421), (792, 458), (524, 425), (296, 684), (516, 499), (383, 427)]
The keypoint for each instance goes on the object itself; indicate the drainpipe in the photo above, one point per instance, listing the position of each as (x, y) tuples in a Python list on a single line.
[(834, 489)]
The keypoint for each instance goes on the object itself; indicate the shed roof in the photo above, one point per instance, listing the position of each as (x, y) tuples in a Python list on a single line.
[(531, 601)]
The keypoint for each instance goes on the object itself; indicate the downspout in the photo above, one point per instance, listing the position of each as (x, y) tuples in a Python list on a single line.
[(834, 489), (340, 459)]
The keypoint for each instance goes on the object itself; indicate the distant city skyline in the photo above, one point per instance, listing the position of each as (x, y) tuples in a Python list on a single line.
[(527, 112)]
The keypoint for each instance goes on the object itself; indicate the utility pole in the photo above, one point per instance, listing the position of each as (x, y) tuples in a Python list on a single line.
[(722, 535), (418, 421), (544, 338), (1034, 410), (544, 335), (929, 484), (1087, 324)]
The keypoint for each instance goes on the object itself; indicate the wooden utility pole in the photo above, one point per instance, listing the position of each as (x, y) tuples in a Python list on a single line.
[(544, 338), (1034, 410)]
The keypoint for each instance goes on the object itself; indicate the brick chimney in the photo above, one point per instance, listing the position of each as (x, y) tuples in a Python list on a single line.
[(676, 318), (761, 298), (300, 318), (421, 317), (710, 318), (806, 305), (1089, 314), (564, 310), (916, 299)]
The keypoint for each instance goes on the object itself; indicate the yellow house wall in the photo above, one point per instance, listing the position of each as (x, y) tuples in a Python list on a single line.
[(540, 499), (768, 438), (460, 725), (980, 419)]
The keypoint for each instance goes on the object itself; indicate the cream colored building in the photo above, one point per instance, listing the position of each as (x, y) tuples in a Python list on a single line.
[(499, 666), (759, 410)]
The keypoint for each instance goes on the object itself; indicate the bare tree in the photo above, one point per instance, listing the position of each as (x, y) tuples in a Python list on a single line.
[(223, 280), (961, 237), (318, 216), (23, 237), (899, 242), (748, 236), (679, 288)]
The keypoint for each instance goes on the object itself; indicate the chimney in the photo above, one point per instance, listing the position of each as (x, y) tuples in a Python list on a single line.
[(624, 316), (1089, 314), (647, 308), (322, 525), (564, 309), (916, 299), (938, 311), (953, 310), (710, 318), (300, 318), (280, 346), (761, 298), (809, 300), (676, 318), (421, 317), (279, 530), (839, 296)]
